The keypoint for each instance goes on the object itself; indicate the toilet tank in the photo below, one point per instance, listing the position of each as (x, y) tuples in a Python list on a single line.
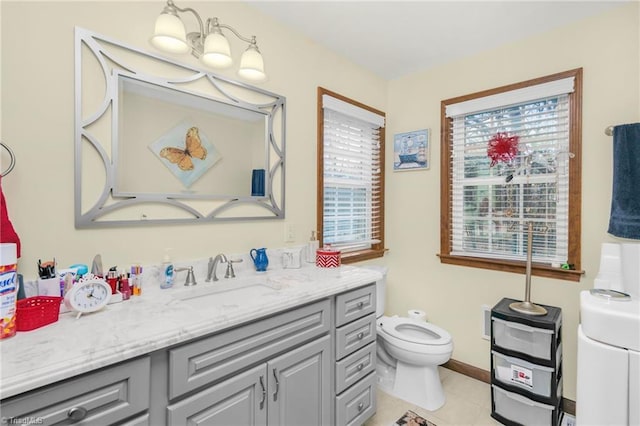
[(381, 288)]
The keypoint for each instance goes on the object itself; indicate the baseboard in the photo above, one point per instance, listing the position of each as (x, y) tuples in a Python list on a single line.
[(469, 370), (568, 405)]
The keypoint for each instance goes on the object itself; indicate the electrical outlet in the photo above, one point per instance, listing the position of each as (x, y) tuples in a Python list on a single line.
[(486, 322), (289, 233)]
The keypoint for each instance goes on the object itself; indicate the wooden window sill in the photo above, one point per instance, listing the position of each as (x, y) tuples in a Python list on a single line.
[(538, 270)]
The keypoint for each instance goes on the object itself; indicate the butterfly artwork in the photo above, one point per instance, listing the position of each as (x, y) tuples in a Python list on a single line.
[(183, 157), (186, 162)]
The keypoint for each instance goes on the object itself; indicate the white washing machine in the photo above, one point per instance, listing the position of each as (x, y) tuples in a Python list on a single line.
[(608, 382)]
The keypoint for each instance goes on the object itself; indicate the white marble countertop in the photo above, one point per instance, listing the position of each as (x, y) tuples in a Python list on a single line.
[(158, 319)]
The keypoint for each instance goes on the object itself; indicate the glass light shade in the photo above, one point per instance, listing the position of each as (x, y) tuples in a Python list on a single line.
[(252, 65), (170, 34), (217, 52)]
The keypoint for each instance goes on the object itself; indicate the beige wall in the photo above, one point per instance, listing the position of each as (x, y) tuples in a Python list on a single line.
[(608, 49), (37, 122), (38, 114)]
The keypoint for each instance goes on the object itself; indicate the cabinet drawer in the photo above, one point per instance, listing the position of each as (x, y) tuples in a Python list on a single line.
[(355, 367), (196, 364), (533, 378), (521, 410), (355, 304), (358, 403), (355, 335), (103, 397), (522, 338)]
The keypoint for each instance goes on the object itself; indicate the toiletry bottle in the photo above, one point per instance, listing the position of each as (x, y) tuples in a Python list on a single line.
[(168, 272), (134, 280), (312, 246), (8, 289), (125, 289)]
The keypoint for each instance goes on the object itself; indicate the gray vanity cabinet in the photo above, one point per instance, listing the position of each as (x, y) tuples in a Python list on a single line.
[(102, 397), (240, 400), (308, 365), (275, 371), (299, 387), (355, 355), (292, 389)]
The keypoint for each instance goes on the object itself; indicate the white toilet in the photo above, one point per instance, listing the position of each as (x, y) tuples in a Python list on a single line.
[(409, 353)]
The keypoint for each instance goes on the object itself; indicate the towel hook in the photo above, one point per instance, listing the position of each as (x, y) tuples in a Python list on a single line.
[(12, 164)]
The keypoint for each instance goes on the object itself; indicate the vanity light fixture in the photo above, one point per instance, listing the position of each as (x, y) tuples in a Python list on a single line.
[(209, 44)]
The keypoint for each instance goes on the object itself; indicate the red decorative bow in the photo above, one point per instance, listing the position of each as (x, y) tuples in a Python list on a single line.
[(502, 147)]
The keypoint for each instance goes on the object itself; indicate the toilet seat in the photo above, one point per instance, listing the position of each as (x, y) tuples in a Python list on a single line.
[(414, 331)]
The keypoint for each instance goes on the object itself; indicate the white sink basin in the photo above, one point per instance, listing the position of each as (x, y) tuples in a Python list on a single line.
[(610, 321), (228, 294)]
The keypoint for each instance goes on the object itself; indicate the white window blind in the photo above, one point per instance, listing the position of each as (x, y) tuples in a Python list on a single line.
[(491, 206), (352, 189)]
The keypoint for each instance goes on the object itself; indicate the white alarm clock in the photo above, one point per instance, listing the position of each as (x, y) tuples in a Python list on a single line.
[(90, 294)]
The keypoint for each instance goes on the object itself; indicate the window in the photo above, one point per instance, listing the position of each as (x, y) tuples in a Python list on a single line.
[(350, 177), (487, 205)]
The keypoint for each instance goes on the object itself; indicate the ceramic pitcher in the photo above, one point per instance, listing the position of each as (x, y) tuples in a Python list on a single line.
[(260, 259)]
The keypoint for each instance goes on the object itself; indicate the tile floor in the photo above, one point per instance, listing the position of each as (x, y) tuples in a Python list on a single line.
[(468, 404)]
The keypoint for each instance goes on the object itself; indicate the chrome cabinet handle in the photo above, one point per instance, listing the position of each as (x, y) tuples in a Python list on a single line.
[(77, 413), (264, 392), (360, 406), (360, 304), (275, 376), (360, 366), (360, 335)]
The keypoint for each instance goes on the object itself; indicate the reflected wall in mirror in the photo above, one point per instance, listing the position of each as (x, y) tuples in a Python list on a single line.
[(157, 141)]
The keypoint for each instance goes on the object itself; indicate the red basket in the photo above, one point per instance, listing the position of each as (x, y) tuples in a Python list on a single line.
[(35, 312)]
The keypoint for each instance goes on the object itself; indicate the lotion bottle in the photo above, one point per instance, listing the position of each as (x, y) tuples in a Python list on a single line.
[(312, 246), (168, 272)]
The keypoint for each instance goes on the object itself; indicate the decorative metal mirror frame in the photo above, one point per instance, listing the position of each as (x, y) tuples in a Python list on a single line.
[(98, 46)]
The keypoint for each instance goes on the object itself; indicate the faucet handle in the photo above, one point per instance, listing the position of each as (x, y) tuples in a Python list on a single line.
[(230, 273), (191, 278)]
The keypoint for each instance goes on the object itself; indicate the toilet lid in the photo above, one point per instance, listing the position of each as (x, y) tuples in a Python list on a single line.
[(414, 331)]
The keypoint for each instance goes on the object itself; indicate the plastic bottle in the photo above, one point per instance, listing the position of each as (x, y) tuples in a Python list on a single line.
[(8, 289), (312, 246), (168, 273), (125, 289)]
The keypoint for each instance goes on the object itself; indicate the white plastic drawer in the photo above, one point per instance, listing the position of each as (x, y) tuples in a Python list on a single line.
[(522, 338), (522, 410), (525, 375)]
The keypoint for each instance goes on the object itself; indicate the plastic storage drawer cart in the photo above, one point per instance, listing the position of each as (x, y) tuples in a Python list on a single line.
[(526, 366)]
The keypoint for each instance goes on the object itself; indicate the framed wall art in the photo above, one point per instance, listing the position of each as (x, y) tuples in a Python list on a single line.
[(411, 150)]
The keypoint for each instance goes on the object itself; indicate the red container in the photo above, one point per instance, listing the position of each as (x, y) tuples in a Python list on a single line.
[(327, 258), (35, 312)]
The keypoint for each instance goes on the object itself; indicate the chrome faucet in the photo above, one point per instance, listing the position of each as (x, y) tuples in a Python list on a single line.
[(213, 264)]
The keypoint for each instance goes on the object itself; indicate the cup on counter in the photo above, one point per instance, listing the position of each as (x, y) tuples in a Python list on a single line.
[(291, 258), (49, 287)]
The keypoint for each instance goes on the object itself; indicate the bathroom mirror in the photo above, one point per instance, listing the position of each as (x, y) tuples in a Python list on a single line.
[(157, 141)]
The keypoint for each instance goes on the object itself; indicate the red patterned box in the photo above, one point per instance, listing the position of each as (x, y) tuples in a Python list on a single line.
[(327, 258)]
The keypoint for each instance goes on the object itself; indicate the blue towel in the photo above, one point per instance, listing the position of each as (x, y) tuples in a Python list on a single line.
[(625, 200)]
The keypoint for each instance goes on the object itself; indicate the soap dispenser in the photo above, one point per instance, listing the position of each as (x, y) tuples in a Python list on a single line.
[(168, 272)]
